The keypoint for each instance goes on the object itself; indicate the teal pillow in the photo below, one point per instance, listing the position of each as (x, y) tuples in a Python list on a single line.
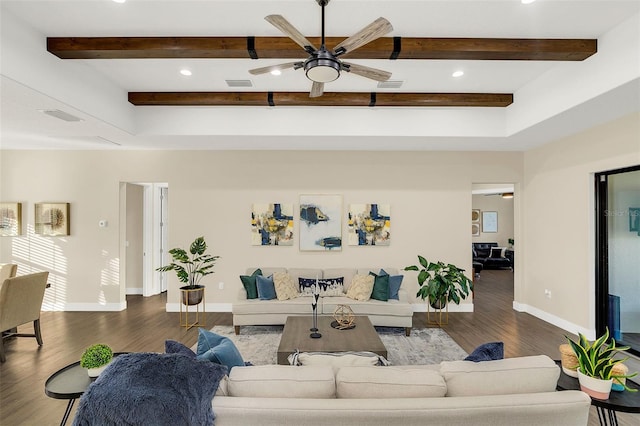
[(266, 288), (380, 287), (249, 283), (395, 281), (219, 349)]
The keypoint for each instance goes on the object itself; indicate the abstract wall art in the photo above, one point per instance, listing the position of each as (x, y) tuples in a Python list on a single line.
[(369, 224), (320, 222), (52, 219), (10, 219), (272, 224)]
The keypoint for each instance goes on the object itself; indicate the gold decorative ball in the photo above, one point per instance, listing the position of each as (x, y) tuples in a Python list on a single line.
[(344, 316)]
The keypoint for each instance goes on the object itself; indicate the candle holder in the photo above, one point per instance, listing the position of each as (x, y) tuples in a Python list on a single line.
[(314, 330)]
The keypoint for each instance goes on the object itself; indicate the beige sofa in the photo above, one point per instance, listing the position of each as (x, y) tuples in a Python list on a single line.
[(393, 313), (516, 391)]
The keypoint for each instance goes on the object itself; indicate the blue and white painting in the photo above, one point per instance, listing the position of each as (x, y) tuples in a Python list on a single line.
[(272, 224), (321, 222), (369, 224)]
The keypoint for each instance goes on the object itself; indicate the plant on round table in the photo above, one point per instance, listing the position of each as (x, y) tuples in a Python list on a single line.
[(597, 359), (441, 283), (95, 357)]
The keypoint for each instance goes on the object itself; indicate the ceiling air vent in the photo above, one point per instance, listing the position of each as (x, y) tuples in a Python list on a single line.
[(239, 83), (390, 84), (60, 114)]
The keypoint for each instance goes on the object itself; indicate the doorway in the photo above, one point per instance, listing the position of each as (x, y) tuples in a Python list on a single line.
[(144, 229)]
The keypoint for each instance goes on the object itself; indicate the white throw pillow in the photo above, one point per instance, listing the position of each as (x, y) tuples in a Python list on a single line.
[(361, 287), (285, 287)]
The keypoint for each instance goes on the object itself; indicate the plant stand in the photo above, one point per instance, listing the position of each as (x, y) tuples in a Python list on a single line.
[(184, 322), (437, 315)]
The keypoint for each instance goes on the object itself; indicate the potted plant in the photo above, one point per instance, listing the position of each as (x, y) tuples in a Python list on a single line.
[(441, 283), (96, 358), (511, 242), (595, 364), (190, 268)]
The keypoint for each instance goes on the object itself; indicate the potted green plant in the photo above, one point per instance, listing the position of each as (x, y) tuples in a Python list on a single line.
[(441, 283), (190, 268), (595, 364), (511, 242), (96, 358)]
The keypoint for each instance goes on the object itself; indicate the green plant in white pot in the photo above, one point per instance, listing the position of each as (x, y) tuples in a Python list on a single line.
[(190, 268), (441, 283), (96, 358), (595, 364)]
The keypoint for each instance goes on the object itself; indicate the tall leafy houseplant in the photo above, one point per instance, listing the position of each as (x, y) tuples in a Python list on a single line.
[(192, 266), (441, 283), (596, 360)]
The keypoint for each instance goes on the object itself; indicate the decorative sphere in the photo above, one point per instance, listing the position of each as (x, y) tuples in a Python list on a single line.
[(344, 316)]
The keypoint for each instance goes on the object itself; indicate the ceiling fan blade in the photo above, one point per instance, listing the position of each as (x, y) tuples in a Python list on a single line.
[(317, 89), (285, 26), (368, 72), (374, 30), (264, 70)]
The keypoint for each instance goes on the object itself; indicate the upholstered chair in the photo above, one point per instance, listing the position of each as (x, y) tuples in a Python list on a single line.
[(20, 303), (7, 270)]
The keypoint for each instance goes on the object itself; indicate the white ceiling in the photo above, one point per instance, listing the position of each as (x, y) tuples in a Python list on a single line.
[(551, 99)]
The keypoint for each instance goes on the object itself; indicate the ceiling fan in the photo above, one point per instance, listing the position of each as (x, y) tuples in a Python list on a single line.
[(323, 65)]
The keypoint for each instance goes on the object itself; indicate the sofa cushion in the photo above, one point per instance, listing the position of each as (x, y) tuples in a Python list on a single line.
[(218, 349), (266, 288), (282, 381), (337, 359), (298, 306), (285, 287), (389, 382), (502, 377), (371, 307), (498, 252), (346, 273), (249, 283), (304, 273), (380, 287), (361, 287)]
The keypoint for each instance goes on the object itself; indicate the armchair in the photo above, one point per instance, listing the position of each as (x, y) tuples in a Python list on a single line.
[(20, 303)]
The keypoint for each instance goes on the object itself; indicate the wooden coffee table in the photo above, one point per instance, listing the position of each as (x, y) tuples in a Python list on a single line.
[(295, 336)]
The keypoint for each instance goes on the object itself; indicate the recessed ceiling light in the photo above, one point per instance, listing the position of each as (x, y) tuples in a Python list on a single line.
[(276, 72), (527, 1), (458, 73), (186, 72)]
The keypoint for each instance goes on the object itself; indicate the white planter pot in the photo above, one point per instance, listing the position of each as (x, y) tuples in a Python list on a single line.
[(95, 372), (595, 388)]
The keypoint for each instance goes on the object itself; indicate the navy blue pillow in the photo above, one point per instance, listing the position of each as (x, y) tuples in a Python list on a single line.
[(173, 347), (307, 286), (266, 288), (487, 352)]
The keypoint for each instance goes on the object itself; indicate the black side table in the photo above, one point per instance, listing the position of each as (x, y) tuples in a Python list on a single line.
[(69, 382), (625, 402)]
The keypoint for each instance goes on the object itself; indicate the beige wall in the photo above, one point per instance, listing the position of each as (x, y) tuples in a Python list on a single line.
[(558, 241), (504, 208), (212, 193), (134, 238)]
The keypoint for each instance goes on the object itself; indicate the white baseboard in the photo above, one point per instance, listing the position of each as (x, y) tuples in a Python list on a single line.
[(465, 307), (209, 307), (90, 307), (552, 319)]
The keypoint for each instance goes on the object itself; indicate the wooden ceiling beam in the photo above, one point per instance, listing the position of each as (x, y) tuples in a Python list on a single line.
[(285, 48), (349, 99)]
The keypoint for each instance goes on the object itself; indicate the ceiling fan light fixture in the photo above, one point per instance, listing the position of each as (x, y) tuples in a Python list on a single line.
[(322, 68), (275, 72), (457, 73)]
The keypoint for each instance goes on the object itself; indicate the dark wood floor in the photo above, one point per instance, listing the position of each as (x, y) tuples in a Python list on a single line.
[(145, 325)]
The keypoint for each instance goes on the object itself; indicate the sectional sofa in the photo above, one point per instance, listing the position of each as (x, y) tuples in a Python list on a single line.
[(516, 391), (391, 313)]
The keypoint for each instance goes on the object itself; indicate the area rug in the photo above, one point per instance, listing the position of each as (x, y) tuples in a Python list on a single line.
[(259, 344)]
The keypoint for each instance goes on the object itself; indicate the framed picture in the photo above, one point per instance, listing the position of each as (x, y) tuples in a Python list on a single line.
[(320, 222), (475, 229), (489, 221), (52, 219), (475, 216), (272, 224), (369, 225), (634, 219), (10, 219)]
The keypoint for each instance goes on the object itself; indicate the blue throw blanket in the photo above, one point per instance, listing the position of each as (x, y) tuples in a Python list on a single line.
[(152, 389)]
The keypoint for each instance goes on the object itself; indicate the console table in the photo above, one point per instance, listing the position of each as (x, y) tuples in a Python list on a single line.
[(624, 402)]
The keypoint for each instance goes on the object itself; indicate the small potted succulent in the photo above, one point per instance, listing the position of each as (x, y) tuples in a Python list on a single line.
[(96, 358), (596, 364)]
